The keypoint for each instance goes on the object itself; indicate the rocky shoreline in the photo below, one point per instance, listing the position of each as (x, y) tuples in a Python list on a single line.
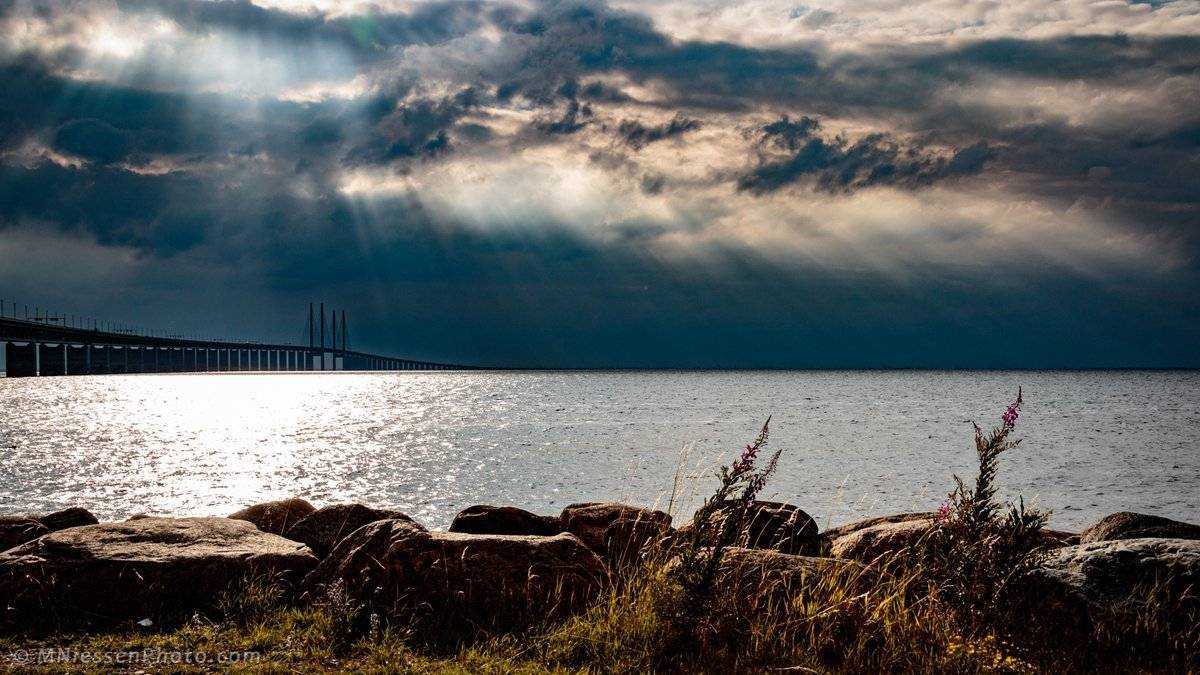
[(68, 568)]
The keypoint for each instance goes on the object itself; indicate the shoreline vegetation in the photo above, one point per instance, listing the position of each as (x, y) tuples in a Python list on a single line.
[(743, 585)]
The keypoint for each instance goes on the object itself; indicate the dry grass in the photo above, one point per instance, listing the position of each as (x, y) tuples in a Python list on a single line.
[(835, 619)]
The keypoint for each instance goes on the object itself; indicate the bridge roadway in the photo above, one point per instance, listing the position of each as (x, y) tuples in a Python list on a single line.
[(36, 348)]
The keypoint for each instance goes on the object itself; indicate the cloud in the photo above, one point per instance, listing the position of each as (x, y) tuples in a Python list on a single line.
[(573, 119), (774, 22), (839, 165), (637, 135), (505, 173), (407, 129), (368, 34)]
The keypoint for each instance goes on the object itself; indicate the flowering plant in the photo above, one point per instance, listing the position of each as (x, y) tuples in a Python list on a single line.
[(718, 522), (978, 546)]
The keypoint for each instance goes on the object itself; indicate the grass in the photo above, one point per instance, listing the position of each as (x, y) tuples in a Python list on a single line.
[(839, 619)]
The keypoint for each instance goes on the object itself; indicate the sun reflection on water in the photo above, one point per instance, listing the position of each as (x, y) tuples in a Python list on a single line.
[(430, 444)]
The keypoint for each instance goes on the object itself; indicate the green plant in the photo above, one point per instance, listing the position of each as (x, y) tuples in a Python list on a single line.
[(251, 599)]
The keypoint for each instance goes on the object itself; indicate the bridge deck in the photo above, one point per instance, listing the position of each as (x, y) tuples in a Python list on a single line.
[(36, 348)]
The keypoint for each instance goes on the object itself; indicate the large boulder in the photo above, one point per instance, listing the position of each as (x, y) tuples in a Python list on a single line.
[(591, 522), (1129, 525), (772, 526), (869, 540), (780, 527), (397, 569), (484, 519), (154, 567), (850, 528), (16, 530), (1077, 583), (72, 517), (322, 529), (275, 517)]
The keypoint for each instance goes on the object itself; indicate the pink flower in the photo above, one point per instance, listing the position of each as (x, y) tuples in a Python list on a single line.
[(1012, 413), (943, 513), (746, 462)]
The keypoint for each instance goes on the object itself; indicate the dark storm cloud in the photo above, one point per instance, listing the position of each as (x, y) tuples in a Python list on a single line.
[(566, 42), (1097, 57), (838, 165), (407, 129), (153, 214), (223, 178), (248, 188), (574, 118), (570, 40), (637, 135), (573, 39), (96, 121), (373, 32), (1146, 181)]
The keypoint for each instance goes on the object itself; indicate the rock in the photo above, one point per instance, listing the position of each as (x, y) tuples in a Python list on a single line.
[(153, 567), (1129, 525), (16, 530), (849, 528), (1059, 538), (1077, 583), (72, 517), (780, 527), (590, 521), (275, 517), (877, 537), (774, 526), (398, 569), (484, 519), (866, 540), (322, 529)]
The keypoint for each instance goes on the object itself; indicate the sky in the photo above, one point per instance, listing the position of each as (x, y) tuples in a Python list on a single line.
[(631, 183)]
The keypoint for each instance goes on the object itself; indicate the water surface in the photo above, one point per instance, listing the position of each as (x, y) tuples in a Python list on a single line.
[(855, 444)]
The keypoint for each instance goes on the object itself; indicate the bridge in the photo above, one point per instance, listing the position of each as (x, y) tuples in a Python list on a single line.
[(63, 345)]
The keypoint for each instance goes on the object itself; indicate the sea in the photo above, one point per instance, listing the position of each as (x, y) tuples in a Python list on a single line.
[(853, 444)]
